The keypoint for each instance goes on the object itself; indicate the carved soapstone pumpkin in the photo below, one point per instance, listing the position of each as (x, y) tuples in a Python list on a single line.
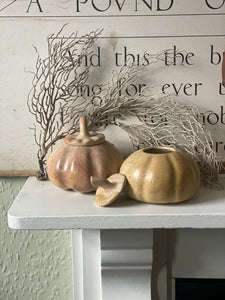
[(161, 175), (81, 156)]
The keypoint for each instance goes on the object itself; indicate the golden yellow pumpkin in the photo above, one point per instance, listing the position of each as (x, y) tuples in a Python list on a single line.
[(161, 175), (81, 156)]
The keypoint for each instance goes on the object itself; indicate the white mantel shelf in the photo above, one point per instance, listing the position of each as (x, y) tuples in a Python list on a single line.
[(41, 205), (112, 264)]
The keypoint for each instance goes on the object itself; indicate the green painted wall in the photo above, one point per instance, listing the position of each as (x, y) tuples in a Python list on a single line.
[(35, 264)]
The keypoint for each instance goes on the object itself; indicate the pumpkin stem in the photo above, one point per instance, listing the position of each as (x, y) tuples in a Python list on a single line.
[(83, 128), (84, 137), (101, 182)]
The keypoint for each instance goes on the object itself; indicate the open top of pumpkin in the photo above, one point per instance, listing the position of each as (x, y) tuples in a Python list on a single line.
[(84, 137)]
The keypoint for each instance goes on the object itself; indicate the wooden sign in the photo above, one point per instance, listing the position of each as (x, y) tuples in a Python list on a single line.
[(189, 35)]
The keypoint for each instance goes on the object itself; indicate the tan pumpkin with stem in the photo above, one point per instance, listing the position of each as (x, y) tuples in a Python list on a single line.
[(81, 156)]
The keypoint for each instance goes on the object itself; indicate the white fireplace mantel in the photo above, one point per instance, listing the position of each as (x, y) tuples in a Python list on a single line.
[(112, 246), (41, 205)]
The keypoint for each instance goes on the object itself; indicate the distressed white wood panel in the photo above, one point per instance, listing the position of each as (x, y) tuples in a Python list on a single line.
[(139, 26)]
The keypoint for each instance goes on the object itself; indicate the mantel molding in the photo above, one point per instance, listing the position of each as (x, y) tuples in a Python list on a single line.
[(112, 264)]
